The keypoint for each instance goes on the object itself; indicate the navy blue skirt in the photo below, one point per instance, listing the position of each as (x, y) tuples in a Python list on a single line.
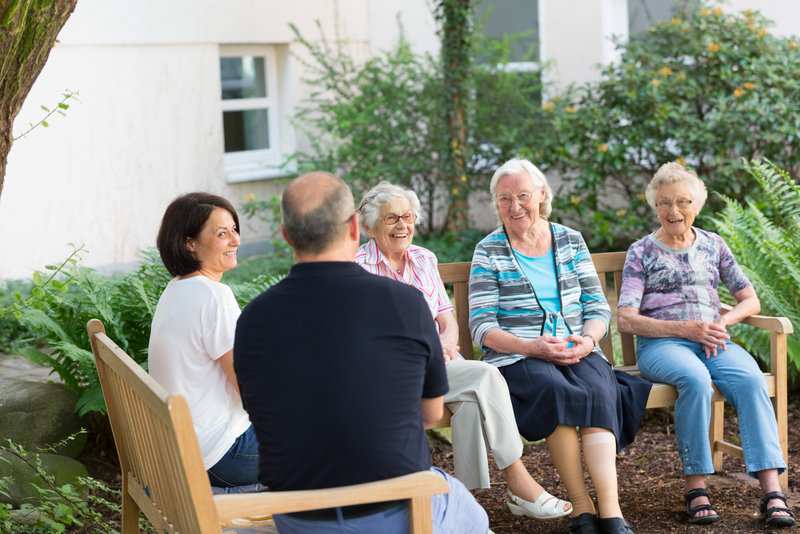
[(589, 393)]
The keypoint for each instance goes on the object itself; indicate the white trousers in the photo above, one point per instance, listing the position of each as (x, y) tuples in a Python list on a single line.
[(483, 420)]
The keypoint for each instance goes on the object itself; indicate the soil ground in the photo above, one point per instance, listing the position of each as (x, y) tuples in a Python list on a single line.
[(650, 477)]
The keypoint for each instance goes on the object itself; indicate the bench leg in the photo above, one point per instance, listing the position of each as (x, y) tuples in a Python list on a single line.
[(130, 513), (781, 415), (420, 518), (715, 433)]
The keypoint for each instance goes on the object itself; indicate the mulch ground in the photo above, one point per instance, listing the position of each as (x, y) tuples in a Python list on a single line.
[(650, 478), (651, 483)]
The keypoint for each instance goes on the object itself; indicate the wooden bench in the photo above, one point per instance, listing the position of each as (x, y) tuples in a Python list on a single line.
[(609, 269), (162, 468)]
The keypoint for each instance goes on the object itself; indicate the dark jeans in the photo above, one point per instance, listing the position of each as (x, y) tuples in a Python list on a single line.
[(239, 466)]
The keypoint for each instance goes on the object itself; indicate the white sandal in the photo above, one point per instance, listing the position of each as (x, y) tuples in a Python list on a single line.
[(545, 507)]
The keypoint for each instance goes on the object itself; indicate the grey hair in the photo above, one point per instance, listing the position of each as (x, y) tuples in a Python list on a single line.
[(312, 231), (516, 166), (672, 172), (383, 193)]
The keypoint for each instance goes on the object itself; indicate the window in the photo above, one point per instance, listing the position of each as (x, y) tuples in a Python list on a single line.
[(502, 18), (250, 113)]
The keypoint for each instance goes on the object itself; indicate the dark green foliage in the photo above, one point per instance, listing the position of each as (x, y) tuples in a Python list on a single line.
[(386, 119), (763, 238), (707, 88), (124, 303)]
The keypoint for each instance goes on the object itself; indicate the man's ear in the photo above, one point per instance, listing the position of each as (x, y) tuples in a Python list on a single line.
[(354, 227), (286, 236)]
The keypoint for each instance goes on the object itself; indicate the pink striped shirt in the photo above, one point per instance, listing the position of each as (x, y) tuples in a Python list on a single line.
[(421, 272)]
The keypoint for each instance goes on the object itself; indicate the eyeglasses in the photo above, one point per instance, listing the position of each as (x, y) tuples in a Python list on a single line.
[(408, 218), (682, 203), (523, 198)]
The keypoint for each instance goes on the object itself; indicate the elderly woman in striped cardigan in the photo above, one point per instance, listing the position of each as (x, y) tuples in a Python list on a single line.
[(537, 310)]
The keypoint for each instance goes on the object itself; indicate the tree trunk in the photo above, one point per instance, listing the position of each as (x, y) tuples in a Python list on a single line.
[(455, 18), (28, 31)]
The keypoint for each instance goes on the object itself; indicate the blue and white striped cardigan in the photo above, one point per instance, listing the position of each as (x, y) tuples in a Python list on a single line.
[(501, 296)]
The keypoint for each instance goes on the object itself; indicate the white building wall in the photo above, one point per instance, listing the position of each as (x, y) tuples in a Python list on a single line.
[(148, 125)]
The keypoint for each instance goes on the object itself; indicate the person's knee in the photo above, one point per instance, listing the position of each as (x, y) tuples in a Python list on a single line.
[(695, 385)]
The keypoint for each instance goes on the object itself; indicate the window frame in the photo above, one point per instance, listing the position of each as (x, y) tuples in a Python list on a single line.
[(248, 165)]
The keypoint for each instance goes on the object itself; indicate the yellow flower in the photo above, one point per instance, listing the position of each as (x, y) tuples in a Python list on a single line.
[(570, 109), (549, 106), (655, 83), (738, 92), (455, 191), (793, 46), (575, 199), (704, 12), (463, 178), (665, 71), (748, 12), (455, 144), (676, 21), (249, 197), (752, 26), (621, 213), (762, 32), (641, 197), (680, 76), (681, 161), (749, 86), (718, 11), (602, 147), (713, 47)]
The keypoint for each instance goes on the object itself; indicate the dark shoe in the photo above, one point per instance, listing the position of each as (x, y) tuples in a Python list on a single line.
[(616, 525), (767, 513), (585, 523), (692, 512)]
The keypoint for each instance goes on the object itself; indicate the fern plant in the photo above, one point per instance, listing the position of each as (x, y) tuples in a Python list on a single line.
[(763, 238), (124, 303)]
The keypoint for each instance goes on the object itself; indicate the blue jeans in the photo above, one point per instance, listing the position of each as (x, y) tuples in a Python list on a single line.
[(456, 512), (683, 364), (239, 466)]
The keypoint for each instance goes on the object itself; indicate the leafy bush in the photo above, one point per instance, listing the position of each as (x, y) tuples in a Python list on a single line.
[(386, 119), (59, 507), (707, 88), (764, 241), (125, 304)]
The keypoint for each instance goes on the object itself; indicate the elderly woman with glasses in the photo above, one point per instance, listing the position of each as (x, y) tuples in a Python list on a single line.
[(478, 396), (537, 310), (669, 299)]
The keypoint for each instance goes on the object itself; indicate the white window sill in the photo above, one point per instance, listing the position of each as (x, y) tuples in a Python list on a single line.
[(251, 175)]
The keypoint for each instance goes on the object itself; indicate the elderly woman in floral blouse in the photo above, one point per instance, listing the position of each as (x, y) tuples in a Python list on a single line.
[(669, 299)]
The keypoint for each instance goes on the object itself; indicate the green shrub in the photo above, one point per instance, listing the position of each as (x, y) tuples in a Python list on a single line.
[(764, 241), (59, 507), (386, 119), (125, 304), (707, 88)]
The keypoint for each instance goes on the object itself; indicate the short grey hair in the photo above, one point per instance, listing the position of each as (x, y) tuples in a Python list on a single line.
[(671, 173), (516, 166), (383, 193)]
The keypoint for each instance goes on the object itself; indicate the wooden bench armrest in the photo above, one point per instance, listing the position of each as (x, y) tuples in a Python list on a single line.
[(414, 485), (781, 325)]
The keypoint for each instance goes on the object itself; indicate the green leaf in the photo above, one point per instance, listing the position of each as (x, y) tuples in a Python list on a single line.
[(37, 278), (44, 108), (62, 105), (44, 123), (38, 292)]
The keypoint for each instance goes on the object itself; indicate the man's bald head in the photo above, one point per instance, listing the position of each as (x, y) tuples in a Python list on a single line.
[(314, 210)]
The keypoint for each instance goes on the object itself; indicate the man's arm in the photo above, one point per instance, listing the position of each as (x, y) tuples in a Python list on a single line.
[(432, 410)]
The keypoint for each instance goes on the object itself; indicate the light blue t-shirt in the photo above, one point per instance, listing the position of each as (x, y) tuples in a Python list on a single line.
[(541, 273)]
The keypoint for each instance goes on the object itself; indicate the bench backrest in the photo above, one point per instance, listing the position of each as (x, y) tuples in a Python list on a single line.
[(160, 459), (609, 270)]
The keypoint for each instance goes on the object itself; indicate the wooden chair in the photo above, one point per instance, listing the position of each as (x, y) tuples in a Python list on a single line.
[(162, 468), (609, 265)]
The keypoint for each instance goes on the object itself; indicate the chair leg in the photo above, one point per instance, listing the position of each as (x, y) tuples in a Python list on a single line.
[(130, 514), (715, 433), (782, 418), (420, 519)]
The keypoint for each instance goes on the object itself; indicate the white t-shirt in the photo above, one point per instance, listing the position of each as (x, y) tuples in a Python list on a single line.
[(193, 326)]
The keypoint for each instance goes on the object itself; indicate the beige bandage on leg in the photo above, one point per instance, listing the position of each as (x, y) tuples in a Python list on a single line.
[(565, 452), (600, 455)]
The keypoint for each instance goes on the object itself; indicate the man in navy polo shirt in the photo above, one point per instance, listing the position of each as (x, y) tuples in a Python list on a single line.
[(339, 370)]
